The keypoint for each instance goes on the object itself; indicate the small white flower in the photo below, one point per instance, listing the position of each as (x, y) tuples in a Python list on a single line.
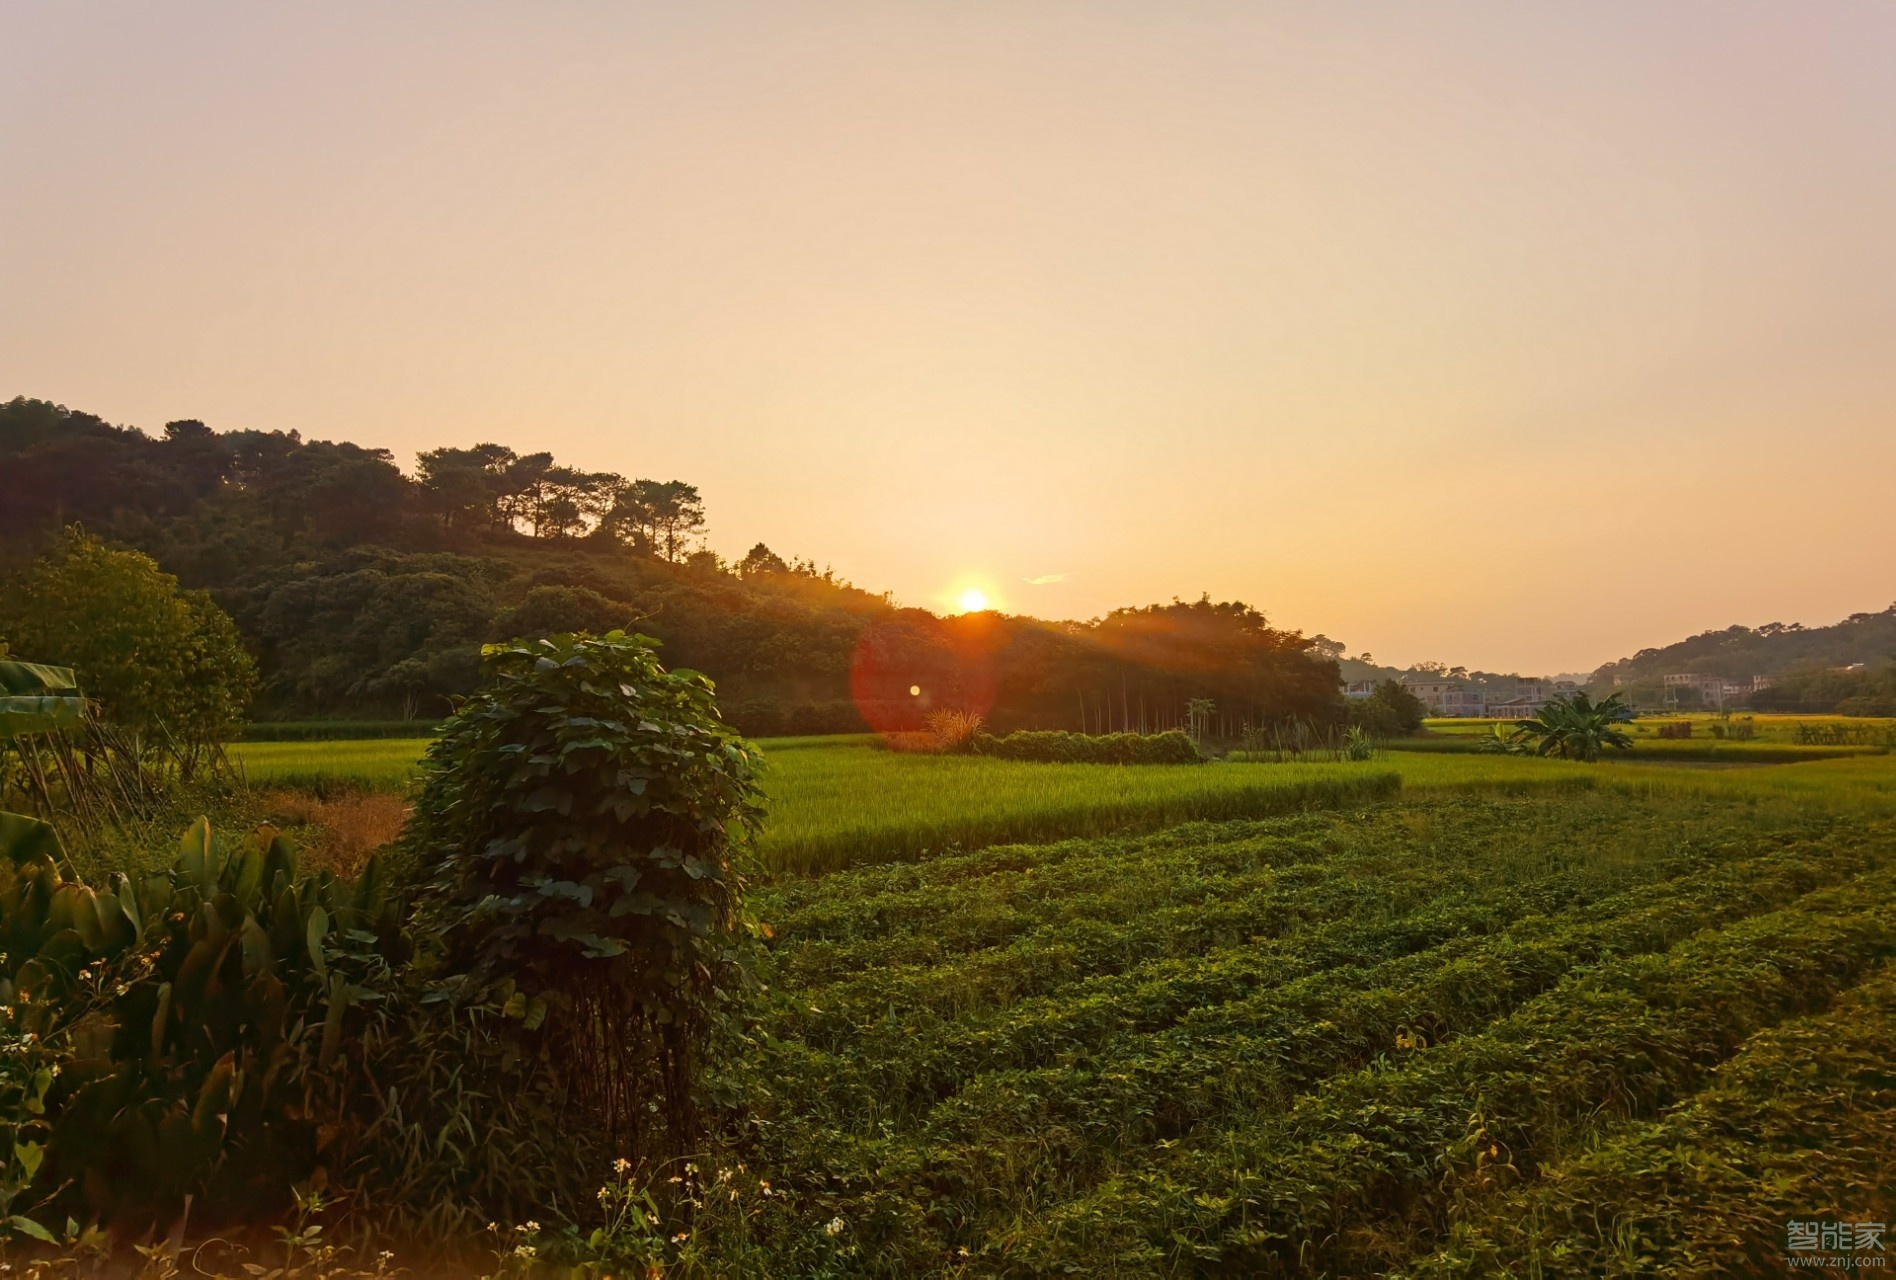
[(835, 1226)]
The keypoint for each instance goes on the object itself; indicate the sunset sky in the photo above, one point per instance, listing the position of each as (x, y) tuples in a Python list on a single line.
[(1519, 336)]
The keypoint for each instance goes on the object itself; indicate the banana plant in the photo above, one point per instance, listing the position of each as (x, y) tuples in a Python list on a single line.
[(189, 1005), (35, 698), (1576, 728)]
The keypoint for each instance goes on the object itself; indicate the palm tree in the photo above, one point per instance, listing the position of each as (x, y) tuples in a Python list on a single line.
[(1576, 728)]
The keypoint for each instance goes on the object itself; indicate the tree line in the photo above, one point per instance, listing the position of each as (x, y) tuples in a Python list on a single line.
[(362, 591)]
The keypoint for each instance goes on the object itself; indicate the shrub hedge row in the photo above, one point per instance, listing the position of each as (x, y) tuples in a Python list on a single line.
[(1055, 747)]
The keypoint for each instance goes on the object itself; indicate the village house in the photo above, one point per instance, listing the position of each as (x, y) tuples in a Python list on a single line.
[(1529, 697), (1714, 691), (1449, 697)]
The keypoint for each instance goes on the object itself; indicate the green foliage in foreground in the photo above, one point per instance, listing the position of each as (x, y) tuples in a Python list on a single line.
[(184, 1021), (1307, 1045), (222, 1037), (572, 845), (1797, 1125), (1055, 747)]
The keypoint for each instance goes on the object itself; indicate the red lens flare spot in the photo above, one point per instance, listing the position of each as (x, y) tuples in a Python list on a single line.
[(915, 663)]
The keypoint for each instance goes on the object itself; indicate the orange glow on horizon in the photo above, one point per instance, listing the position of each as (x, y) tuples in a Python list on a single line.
[(1076, 306)]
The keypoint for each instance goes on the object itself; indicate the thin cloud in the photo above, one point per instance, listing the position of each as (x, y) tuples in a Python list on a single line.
[(1047, 579)]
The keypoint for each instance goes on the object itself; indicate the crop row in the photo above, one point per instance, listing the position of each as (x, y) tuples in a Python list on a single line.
[(1053, 1091), (1357, 1176), (850, 923), (1800, 1125), (1065, 986)]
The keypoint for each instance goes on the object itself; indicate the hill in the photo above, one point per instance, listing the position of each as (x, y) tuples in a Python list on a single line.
[(1847, 667), (368, 592)]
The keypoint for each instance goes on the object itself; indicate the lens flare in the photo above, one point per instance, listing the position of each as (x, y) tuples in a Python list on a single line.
[(973, 600)]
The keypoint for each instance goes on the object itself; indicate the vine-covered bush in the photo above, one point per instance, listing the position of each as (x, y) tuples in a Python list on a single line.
[(1171, 747), (571, 857)]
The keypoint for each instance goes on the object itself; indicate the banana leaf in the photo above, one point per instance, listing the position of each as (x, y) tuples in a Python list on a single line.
[(35, 698)]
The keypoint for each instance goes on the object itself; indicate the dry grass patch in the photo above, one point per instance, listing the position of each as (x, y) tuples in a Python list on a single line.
[(338, 832)]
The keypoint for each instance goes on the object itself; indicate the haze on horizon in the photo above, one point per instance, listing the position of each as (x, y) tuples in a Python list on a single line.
[(1428, 328)]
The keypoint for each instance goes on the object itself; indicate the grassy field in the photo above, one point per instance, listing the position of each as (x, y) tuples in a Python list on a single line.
[(839, 802), (1664, 750), (1766, 727), (319, 765), (1432, 1037), (849, 806)]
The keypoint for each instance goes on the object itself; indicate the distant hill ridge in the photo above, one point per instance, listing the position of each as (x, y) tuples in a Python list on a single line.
[(365, 592), (1774, 649)]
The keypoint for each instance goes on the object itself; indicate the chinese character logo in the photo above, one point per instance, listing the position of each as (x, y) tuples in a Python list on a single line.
[(1824, 1243)]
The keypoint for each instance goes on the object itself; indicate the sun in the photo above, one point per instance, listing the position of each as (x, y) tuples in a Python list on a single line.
[(973, 600)]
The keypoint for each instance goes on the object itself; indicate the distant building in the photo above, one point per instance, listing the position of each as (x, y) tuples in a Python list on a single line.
[(1516, 708), (1714, 691), (1449, 697), (1360, 689)]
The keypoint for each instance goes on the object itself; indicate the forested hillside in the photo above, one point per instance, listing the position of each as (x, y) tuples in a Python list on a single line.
[(364, 591), (1849, 667)]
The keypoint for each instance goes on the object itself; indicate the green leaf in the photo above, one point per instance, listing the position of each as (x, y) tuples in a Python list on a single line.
[(27, 1227), (314, 933), (194, 855), (20, 716), (256, 947), (332, 1021), (160, 1021), (26, 840)]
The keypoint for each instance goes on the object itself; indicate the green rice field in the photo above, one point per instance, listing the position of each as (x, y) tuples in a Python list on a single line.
[(839, 801)]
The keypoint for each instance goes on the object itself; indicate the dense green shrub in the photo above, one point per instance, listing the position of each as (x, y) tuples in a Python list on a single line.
[(571, 852), (164, 664), (1053, 746), (1390, 712)]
